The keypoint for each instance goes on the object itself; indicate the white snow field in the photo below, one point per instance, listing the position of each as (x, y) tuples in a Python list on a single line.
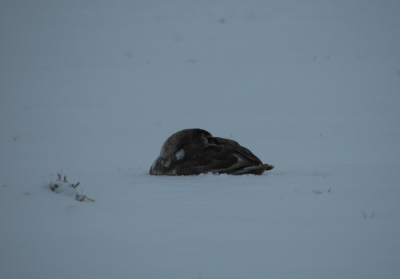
[(93, 88)]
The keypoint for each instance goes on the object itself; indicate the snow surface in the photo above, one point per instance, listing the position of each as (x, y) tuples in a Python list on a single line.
[(94, 88)]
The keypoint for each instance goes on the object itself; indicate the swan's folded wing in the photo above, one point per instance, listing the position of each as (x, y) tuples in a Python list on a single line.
[(213, 158), (236, 147)]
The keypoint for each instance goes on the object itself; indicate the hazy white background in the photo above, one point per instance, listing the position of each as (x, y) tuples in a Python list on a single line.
[(93, 88)]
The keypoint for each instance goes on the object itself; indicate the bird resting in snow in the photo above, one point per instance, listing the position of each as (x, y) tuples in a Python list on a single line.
[(196, 151)]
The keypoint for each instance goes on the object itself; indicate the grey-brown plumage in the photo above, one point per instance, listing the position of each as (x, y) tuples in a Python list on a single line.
[(195, 151)]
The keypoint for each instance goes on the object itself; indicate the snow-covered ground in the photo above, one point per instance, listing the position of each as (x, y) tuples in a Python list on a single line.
[(93, 88)]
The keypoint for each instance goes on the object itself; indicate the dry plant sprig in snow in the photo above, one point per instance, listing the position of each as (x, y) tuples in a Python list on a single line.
[(61, 185)]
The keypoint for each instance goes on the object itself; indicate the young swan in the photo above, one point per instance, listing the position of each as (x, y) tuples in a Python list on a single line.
[(195, 151)]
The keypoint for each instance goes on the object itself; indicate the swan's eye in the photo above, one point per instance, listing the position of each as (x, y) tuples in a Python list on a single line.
[(205, 138)]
